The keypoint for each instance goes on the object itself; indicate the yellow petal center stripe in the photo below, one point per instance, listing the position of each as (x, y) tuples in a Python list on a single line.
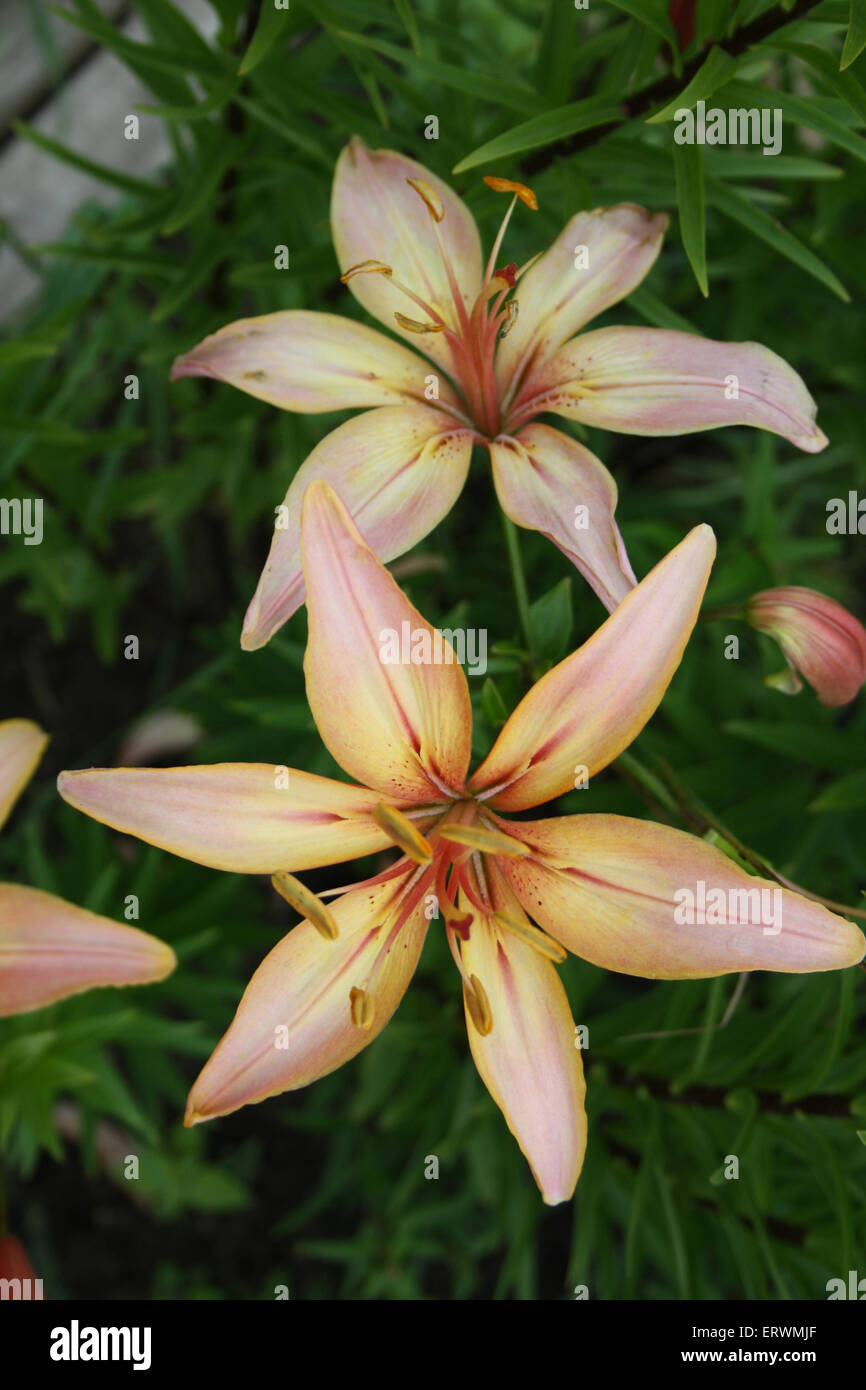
[(544, 944), (403, 833), (430, 197), (362, 1008), (485, 841), (519, 190), (307, 904), (478, 1005)]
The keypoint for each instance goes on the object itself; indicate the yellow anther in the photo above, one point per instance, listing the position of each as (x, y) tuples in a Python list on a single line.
[(404, 834), (533, 937), (486, 841), (520, 190), (362, 1007), (366, 268), (430, 197), (413, 326), (307, 904), (478, 1005)]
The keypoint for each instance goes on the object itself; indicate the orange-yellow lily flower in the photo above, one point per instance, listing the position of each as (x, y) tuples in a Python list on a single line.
[(48, 948), (410, 253), (513, 895)]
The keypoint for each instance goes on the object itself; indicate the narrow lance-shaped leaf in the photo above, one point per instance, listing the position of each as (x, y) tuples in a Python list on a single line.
[(735, 206), (718, 69), (844, 84), (855, 39), (690, 198), (543, 129)]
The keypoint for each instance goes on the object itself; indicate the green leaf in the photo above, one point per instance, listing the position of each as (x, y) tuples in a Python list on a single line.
[(552, 621), (653, 15), (833, 749), (846, 794), (410, 23), (271, 22), (543, 130), (760, 224), (804, 112), (200, 188), (718, 69), (855, 39), (657, 312), (500, 89), (493, 706), (25, 350), (689, 171), (126, 182), (844, 84)]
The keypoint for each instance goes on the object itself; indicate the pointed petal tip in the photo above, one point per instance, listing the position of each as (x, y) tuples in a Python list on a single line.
[(187, 365)]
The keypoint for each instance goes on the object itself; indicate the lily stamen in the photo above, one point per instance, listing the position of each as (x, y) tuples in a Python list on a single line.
[(298, 896), (403, 833)]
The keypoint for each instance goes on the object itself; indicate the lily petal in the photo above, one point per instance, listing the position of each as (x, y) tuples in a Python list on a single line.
[(375, 214), (50, 949), (247, 818), (617, 892), (399, 470), (294, 1022), (22, 744), (598, 258), (594, 703), (528, 1061), (550, 483), (400, 727), (653, 381), (309, 362)]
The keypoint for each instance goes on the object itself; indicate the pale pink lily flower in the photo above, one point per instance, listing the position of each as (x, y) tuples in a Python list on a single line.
[(410, 253), (50, 949), (819, 639), (513, 895)]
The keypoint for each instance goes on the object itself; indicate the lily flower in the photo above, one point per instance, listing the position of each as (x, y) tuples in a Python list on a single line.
[(50, 949), (513, 896), (819, 639), (496, 362)]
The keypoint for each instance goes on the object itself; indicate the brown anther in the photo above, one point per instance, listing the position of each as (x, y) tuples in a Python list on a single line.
[(413, 325), (512, 310), (365, 268), (430, 197)]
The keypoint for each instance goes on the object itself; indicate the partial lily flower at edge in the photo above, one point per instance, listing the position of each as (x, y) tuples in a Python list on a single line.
[(501, 351), (512, 896), (819, 639), (50, 949)]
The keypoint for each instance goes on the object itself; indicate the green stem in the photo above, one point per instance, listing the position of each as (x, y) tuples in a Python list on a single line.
[(518, 579)]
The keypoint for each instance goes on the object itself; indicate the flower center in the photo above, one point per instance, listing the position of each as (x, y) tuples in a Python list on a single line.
[(472, 334)]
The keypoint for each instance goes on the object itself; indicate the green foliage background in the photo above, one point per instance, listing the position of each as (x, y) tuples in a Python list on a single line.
[(158, 515)]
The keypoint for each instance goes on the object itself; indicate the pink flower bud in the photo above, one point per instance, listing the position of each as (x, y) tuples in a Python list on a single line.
[(820, 639)]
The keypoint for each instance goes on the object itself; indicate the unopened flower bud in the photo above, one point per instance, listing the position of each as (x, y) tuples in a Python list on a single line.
[(820, 639)]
